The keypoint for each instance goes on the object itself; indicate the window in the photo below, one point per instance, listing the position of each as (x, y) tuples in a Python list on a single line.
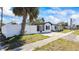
[(38, 28), (43, 27), (47, 27)]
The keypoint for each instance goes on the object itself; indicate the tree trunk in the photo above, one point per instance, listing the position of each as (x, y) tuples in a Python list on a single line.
[(1, 19), (23, 25)]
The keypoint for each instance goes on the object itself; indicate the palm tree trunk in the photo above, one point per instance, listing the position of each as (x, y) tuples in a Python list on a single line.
[(23, 25)]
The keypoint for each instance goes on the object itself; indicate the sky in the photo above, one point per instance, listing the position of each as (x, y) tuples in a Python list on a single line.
[(50, 14)]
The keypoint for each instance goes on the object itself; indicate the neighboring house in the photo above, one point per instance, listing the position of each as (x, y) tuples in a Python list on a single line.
[(49, 27), (72, 27), (57, 27), (77, 26), (12, 29)]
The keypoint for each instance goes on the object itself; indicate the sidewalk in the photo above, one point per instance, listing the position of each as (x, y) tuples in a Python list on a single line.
[(72, 37), (32, 46)]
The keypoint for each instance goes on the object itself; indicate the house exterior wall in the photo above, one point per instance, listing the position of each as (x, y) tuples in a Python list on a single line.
[(53, 28), (40, 28), (45, 30), (31, 29), (57, 28)]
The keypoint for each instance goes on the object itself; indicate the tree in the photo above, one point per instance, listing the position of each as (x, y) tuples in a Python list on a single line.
[(66, 24), (32, 12), (38, 21), (1, 19), (43, 19), (63, 24), (2, 37)]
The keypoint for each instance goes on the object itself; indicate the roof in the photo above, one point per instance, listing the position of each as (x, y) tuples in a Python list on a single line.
[(52, 24), (48, 22), (42, 23)]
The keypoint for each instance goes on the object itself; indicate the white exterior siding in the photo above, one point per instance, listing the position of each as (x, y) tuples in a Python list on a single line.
[(53, 28), (47, 30), (31, 29)]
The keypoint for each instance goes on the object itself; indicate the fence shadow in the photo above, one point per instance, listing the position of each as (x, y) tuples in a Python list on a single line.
[(14, 42)]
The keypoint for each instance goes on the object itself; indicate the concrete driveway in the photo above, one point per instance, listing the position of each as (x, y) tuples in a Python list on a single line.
[(53, 34)]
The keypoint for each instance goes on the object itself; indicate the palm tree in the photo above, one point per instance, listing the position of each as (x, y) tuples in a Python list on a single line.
[(43, 20), (39, 21), (1, 19), (32, 12)]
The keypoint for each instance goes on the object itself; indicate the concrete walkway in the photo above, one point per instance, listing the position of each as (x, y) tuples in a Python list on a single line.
[(53, 34), (32, 46), (72, 37)]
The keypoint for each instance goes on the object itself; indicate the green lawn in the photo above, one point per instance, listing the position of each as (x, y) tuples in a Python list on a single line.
[(60, 45), (17, 41), (76, 32), (33, 38), (65, 31)]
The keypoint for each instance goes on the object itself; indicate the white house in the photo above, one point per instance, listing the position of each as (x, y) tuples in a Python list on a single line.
[(45, 27), (10, 29)]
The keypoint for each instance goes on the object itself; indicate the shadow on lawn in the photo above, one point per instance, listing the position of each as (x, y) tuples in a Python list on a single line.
[(14, 42)]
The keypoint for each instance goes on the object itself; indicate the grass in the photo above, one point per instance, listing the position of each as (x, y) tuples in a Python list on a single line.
[(60, 45), (66, 31), (76, 32), (33, 38), (17, 41)]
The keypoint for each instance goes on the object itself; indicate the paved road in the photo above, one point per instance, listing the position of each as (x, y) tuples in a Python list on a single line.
[(32, 46)]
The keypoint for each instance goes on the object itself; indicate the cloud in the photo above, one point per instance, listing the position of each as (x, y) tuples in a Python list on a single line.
[(56, 8), (75, 16), (59, 15), (52, 19), (66, 12), (60, 12), (7, 11)]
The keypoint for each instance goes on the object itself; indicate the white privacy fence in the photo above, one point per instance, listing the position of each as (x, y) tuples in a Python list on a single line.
[(14, 29), (10, 30)]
